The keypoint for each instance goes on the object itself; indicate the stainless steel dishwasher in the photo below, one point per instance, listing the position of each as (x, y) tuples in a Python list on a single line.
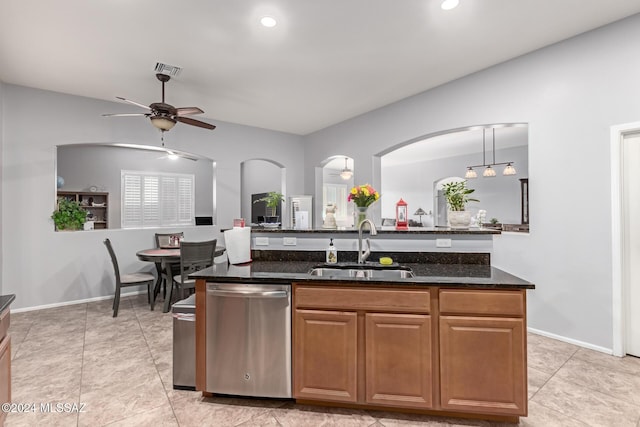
[(248, 340)]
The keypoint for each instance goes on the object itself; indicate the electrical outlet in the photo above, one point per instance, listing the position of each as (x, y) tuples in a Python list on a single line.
[(289, 241), (262, 241), (443, 243)]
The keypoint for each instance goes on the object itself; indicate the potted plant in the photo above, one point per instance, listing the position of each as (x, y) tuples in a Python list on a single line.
[(457, 196), (69, 215), (272, 200)]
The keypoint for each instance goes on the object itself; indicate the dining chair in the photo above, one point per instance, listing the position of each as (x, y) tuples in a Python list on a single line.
[(131, 279), (194, 256)]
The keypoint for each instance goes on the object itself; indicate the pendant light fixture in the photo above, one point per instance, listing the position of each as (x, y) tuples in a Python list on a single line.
[(489, 171), (346, 173), (509, 170), (470, 174)]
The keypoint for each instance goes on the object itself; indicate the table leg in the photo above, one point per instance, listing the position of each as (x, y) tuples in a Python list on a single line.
[(167, 299), (156, 288), (168, 278)]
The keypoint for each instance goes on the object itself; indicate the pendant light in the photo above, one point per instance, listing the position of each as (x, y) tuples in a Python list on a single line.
[(489, 171), (509, 170), (470, 174), (346, 173)]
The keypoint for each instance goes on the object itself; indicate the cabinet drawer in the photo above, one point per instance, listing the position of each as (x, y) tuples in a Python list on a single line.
[(482, 302), (4, 323), (384, 300)]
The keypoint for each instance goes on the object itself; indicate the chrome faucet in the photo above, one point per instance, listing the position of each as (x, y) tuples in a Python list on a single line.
[(363, 255)]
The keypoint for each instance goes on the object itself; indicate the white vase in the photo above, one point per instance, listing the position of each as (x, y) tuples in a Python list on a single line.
[(459, 219)]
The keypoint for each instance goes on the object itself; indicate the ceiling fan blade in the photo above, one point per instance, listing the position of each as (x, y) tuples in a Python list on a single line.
[(185, 111), (125, 114), (194, 122), (146, 107)]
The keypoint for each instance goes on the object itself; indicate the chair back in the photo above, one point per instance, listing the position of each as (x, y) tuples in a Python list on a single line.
[(164, 239), (114, 260), (195, 256)]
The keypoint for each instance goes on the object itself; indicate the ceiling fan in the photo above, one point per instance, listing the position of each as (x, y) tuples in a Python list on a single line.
[(164, 116), (345, 173)]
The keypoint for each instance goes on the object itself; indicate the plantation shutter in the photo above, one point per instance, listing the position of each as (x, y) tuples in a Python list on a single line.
[(157, 199)]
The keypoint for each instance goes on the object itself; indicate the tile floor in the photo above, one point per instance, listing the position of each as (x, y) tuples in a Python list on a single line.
[(120, 369)]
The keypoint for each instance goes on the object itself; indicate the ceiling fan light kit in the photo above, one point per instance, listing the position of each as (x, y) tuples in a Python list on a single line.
[(489, 172), (346, 173), (163, 123), (165, 116)]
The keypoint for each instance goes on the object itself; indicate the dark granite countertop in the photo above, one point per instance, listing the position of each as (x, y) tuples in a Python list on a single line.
[(383, 230), (450, 275), (5, 301)]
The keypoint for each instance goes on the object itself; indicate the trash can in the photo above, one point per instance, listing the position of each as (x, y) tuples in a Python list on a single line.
[(184, 344)]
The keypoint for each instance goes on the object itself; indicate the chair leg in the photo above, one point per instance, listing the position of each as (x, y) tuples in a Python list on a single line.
[(116, 301)]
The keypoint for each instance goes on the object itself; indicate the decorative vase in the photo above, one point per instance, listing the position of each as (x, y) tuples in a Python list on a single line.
[(459, 219), (361, 214)]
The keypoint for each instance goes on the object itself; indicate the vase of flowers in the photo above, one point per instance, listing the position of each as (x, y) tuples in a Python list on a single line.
[(363, 196)]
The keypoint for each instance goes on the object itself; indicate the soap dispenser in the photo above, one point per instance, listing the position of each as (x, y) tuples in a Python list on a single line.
[(332, 253)]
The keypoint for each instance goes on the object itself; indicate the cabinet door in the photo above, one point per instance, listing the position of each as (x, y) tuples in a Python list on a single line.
[(398, 354), (483, 365), (5, 374), (324, 355)]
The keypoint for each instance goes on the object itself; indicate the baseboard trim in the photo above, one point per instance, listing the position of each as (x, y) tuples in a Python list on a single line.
[(80, 301), (605, 350)]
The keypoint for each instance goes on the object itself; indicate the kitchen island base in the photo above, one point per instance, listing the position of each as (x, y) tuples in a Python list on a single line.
[(450, 341), (455, 352)]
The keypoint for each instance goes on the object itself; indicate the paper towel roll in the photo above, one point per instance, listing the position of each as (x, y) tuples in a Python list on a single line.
[(238, 244)]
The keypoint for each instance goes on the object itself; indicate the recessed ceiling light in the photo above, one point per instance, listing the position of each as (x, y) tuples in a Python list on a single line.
[(449, 4), (268, 21)]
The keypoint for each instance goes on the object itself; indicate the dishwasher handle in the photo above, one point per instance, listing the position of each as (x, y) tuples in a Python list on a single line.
[(247, 294)]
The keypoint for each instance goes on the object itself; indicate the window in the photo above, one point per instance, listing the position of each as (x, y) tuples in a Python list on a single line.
[(337, 195), (156, 199)]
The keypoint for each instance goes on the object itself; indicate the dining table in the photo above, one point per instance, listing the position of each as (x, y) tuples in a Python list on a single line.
[(164, 259)]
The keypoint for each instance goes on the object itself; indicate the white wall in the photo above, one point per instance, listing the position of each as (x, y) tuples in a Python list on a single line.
[(413, 182), (45, 267), (570, 94)]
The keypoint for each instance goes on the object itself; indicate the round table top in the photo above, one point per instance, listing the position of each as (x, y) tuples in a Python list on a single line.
[(159, 254)]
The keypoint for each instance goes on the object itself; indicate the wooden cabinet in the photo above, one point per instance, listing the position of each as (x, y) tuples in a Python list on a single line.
[(325, 363), (483, 354), (348, 349), (5, 362), (447, 351), (95, 203), (398, 360)]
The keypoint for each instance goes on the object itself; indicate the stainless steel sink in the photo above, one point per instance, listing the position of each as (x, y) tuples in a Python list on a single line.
[(366, 273)]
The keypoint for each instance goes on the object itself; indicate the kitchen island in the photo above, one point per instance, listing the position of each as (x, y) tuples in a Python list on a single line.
[(449, 341)]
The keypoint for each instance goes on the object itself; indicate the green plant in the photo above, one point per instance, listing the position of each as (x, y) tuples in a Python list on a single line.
[(494, 221), (69, 215), (273, 199), (457, 195)]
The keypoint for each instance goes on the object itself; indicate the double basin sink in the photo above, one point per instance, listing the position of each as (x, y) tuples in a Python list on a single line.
[(365, 271)]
